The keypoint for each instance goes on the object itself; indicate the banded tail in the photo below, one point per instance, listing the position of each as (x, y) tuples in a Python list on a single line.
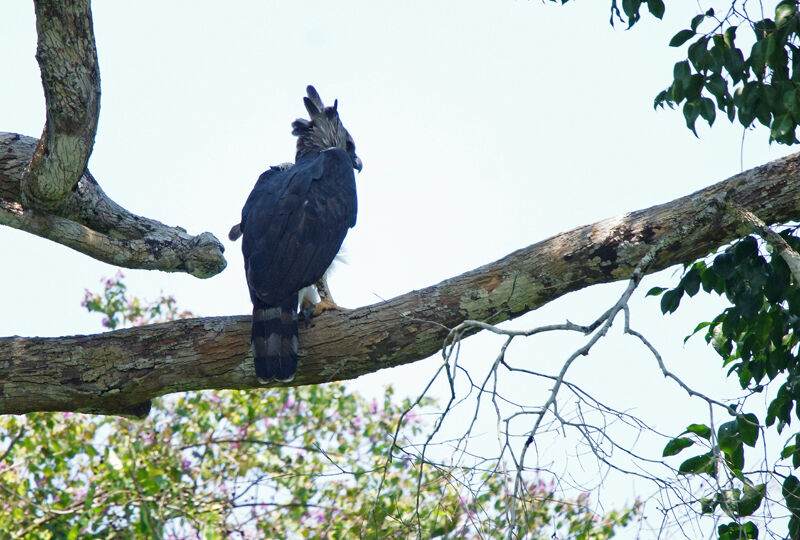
[(274, 340)]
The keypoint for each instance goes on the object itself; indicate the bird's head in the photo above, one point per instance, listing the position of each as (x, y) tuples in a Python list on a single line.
[(324, 130)]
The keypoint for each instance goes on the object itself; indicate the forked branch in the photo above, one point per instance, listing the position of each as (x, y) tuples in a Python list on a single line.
[(45, 188)]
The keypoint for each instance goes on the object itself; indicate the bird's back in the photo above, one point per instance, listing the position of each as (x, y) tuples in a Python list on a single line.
[(293, 225)]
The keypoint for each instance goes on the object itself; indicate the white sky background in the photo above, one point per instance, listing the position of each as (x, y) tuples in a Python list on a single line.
[(483, 127)]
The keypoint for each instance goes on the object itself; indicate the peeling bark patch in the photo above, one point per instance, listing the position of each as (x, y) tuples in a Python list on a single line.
[(648, 234), (606, 252), (491, 283), (608, 257)]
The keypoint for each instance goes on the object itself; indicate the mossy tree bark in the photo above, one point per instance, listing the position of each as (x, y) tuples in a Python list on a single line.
[(118, 372)]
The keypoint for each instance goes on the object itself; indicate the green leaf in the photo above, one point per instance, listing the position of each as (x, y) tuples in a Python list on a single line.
[(681, 37), (690, 113), (691, 281), (794, 527), (709, 281), (674, 446), (681, 72), (796, 455), (698, 54), (631, 9), (782, 126), (661, 98), (696, 20), (789, 100), (698, 465), (751, 499), (723, 265), (717, 86), (656, 7), (775, 286), (708, 111), (748, 429), (655, 291), (735, 531), (763, 28), (701, 430), (785, 11), (708, 504), (696, 329), (670, 300), (788, 451), (758, 58), (791, 493), (735, 459), (730, 36)]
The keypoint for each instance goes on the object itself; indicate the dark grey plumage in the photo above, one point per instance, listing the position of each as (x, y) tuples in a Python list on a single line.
[(293, 225)]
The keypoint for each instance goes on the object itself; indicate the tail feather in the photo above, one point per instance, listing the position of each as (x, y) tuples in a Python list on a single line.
[(274, 340)]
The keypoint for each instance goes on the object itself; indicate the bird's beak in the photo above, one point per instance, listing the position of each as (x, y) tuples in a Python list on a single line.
[(357, 165)]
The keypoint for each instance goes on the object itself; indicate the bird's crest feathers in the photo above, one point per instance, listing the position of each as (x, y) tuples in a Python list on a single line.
[(323, 130)]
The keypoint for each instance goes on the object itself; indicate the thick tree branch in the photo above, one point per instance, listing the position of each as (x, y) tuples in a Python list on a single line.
[(71, 80), (91, 223), (45, 188), (117, 372)]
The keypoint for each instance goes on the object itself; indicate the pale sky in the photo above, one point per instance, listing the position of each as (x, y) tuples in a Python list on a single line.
[(483, 127)]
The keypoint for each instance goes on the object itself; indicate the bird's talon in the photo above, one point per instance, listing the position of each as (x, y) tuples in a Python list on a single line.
[(326, 305)]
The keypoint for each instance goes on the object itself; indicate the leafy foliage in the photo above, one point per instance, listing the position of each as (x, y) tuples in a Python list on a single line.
[(742, 66), (119, 310), (310, 462), (757, 338)]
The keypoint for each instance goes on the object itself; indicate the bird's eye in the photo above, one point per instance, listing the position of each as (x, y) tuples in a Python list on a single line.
[(350, 146)]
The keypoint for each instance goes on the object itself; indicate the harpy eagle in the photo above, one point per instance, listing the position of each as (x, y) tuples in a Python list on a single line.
[(293, 224)]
